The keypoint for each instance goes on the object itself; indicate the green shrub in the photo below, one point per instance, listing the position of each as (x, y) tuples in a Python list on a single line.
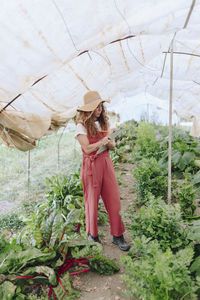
[(148, 143), (150, 177), (116, 156), (127, 135), (11, 221), (60, 186), (185, 153), (153, 274), (161, 222), (186, 195)]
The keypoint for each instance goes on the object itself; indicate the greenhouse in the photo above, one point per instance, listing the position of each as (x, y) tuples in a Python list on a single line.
[(100, 150)]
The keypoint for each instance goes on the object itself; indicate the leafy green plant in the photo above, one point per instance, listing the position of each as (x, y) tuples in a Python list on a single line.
[(14, 258), (195, 267), (11, 221), (119, 177), (185, 152), (66, 283), (116, 156), (186, 195), (148, 143), (150, 177), (102, 214), (161, 222), (153, 274), (103, 265), (193, 232), (57, 228), (85, 249), (196, 179), (60, 186), (180, 161), (127, 136), (58, 216)]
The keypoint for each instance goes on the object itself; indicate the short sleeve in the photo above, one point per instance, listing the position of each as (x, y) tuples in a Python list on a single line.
[(80, 129)]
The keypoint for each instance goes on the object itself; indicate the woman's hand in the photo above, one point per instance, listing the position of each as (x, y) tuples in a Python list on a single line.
[(108, 142), (111, 144), (89, 148), (105, 140)]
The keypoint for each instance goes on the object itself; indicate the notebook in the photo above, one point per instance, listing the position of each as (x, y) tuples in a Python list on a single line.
[(112, 135)]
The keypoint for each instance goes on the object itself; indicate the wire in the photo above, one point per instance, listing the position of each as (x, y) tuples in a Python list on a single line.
[(129, 28), (96, 52), (130, 33), (67, 28)]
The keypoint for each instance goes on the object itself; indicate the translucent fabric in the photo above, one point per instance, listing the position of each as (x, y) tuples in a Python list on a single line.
[(52, 52)]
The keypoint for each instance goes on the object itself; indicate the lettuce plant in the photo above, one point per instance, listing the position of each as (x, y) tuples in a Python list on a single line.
[(154, 274)]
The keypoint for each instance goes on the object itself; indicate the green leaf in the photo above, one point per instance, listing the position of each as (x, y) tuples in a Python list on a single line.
[(196, 178), (103, 265), (61, 294), (21, 297), (197, 162), (57, 228), (12, 261), (73, 216), (194, 231), (7, 290), (49, 272), (195, 267), (176, 156), (186, 160)]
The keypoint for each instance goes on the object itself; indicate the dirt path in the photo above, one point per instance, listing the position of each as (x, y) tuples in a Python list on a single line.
[(99, 287)]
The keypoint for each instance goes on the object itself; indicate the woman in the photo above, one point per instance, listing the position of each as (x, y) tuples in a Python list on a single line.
[(97, 171)]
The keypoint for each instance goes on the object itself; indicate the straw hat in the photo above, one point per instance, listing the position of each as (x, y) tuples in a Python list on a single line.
[(91, 100)]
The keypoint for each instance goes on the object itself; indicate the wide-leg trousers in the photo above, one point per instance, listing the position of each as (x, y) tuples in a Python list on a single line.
[(98, 178)]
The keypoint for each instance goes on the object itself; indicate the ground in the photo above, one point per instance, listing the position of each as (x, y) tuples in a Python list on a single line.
[(99, 287)]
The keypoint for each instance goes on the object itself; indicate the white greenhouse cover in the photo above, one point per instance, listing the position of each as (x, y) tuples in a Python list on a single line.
[(144, 107), (53, 51)]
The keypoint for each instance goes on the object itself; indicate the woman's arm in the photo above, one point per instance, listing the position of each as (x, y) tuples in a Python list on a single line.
[(89, 148)]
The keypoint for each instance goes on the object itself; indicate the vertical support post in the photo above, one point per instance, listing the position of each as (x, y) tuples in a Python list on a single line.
[(58, 148), (29, 171), (148, 118), (170, 125)]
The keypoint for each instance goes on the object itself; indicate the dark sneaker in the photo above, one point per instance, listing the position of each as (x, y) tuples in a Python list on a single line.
[(119, 241), (93, 239)]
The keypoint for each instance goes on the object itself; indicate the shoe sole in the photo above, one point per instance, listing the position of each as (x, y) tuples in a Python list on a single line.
[(120, 247)]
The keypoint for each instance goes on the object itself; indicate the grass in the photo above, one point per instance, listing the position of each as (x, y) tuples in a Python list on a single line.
[(54, 154)]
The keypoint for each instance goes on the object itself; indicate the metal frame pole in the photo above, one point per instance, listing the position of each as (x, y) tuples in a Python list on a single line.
[(170, 125)]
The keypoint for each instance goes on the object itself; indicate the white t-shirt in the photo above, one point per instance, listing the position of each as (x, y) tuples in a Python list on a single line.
[(80, 129)]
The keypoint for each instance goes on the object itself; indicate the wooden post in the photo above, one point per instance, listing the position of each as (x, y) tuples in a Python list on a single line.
[(170, 125), (29, 171), (58, 148)]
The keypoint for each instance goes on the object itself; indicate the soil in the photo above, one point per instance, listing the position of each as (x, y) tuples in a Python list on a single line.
[(100, 287)]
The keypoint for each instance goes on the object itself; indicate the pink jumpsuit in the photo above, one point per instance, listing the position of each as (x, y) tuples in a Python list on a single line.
[(98, 178)]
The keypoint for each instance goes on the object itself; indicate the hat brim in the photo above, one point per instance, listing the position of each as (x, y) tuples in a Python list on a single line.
[(91, 106)]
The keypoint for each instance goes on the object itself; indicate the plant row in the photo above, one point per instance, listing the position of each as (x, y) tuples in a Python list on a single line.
[(51, 246), (164, 261)]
